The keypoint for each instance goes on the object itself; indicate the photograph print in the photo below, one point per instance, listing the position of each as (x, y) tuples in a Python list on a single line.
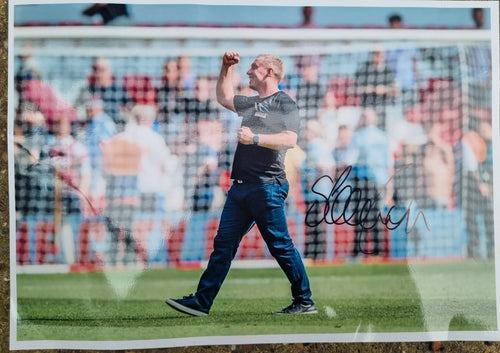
[(211, 174)]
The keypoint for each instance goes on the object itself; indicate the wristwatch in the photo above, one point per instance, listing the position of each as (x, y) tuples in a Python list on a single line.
[(255, 139)]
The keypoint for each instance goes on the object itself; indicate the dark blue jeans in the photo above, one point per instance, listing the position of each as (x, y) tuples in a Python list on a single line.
[(246, 205)]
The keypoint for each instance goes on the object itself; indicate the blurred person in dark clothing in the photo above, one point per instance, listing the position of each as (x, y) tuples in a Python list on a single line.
[(478, 17), (376, 84), (309, 97), (308, 18), (34, 187), (112, 14), (102, 82), (371, 173)]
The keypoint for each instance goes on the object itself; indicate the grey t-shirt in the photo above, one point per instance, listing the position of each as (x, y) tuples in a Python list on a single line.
[(269, 115)]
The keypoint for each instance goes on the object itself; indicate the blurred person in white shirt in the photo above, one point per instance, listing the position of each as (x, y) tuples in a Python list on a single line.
[(157, 163)]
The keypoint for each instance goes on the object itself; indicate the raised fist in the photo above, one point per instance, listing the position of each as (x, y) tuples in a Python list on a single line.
[(230, 58)]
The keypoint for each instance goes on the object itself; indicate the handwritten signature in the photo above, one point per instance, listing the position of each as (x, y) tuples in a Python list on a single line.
[(360, 211)]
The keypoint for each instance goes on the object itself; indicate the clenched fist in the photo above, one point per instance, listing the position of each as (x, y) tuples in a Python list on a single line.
[(230, 58), (245, 135)]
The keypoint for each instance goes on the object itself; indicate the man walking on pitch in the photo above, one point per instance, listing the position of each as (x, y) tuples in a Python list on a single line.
[(257, 196)]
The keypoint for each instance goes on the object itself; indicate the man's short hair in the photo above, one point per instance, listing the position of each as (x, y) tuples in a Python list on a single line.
[(275, 63), (395, 18)]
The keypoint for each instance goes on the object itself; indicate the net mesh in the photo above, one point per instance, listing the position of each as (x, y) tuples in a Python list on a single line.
[(125, 159)]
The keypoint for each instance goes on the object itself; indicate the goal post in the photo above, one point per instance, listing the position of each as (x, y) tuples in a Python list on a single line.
[(435, 114)]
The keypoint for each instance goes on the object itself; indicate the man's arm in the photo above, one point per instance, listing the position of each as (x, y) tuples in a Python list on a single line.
[(224, 87), (282, 140)]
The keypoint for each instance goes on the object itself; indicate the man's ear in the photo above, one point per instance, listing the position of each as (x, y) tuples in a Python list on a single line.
[(270, 72)]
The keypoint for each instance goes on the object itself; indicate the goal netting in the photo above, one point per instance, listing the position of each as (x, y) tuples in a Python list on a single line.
[(122, 155)]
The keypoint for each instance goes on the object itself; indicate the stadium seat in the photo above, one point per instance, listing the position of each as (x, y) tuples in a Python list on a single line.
[(344, 236), (175, 239), (44, 246), (22, 244)]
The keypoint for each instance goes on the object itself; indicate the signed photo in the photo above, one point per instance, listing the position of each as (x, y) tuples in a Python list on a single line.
[(211, 174)]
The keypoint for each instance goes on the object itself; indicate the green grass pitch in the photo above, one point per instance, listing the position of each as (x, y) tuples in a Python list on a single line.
[(351, 298)]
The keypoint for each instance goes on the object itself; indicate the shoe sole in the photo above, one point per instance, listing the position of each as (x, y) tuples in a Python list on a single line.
[(301, 313), (184, 309)]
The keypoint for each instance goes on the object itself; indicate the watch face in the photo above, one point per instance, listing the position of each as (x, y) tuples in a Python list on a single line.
[(255, 139)]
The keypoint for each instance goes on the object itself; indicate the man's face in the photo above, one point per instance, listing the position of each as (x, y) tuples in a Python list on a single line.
[(378, 57), (345, 136), (257, 74), (63, 127)]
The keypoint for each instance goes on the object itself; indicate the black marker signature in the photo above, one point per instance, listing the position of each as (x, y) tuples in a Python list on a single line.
[(360, 209)]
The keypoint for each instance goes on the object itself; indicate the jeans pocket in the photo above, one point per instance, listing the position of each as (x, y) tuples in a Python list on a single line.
[(281, 190)]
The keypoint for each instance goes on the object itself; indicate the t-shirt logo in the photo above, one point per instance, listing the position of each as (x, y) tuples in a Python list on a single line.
[(261, 109)]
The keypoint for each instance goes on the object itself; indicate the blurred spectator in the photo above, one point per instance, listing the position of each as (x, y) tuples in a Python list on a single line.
[(317, 163), (439, 169), (344, 152), (102, 82), (34, 189), (486, 186), (169, 91), (308, 18), (194, 109), (122, 163), (200, 105), (309, 96), (71, 164), (154, 158), (310, 92), (438, 184), (28, 70), (478, 17), (376, 84), (328, 118), (395, 21), (139, 88), (99, 127), (112, 14), (403, 61), (186, 75), (206, 162), (332, 115), (470, 152), (374, 166), (293, 161), (49, 102), (307, 22), (409, 184)]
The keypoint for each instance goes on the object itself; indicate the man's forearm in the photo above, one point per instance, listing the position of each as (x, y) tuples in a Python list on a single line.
[(283, 140), (224, 88)]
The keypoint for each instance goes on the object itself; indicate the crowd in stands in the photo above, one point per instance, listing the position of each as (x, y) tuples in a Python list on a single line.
[(145, 145)]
